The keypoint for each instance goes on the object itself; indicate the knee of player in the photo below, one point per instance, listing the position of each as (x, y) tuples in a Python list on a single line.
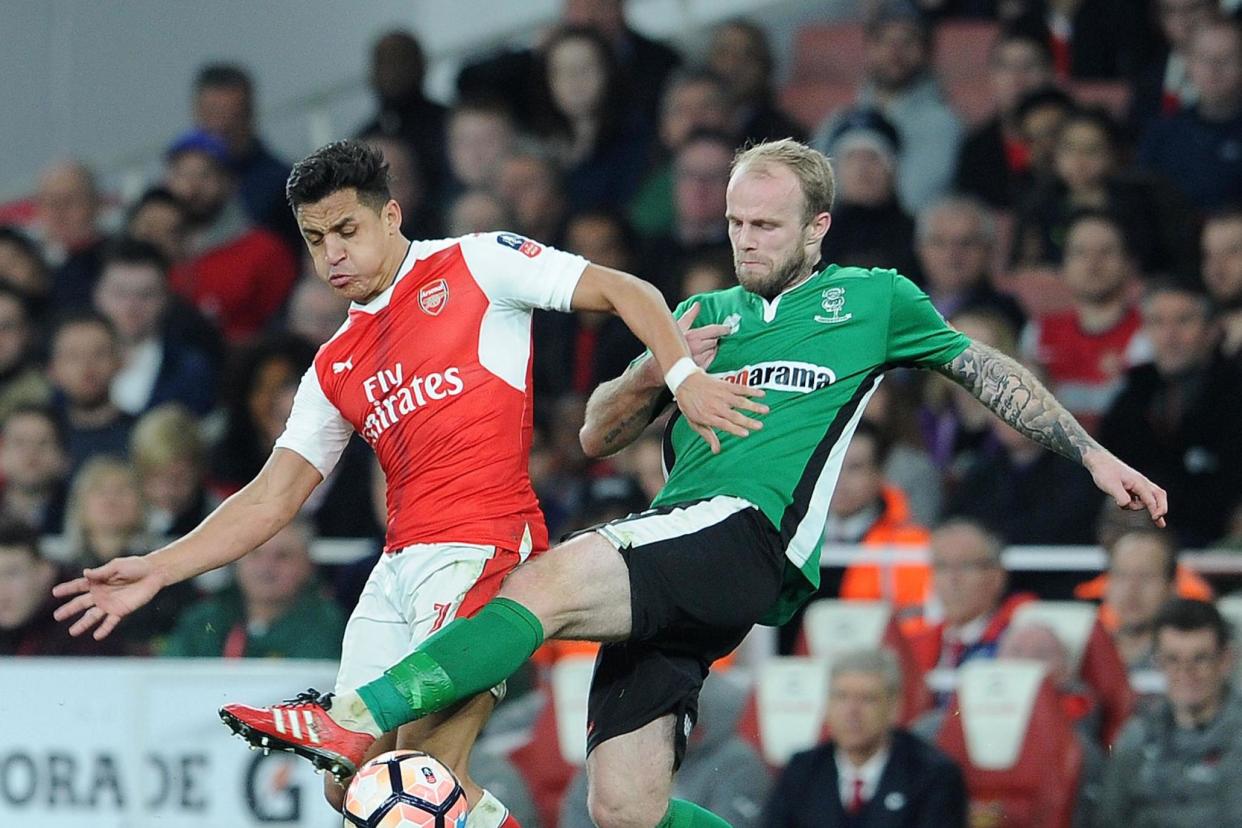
[(620, 806)]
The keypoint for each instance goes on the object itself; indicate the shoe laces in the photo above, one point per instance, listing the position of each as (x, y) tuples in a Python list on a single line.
[(311, 696)]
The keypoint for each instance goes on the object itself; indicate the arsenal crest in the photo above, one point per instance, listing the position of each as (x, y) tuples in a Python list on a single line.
[(432, 297)]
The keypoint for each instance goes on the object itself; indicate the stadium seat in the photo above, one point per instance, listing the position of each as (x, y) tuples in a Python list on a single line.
[(829, 52), (809, 102), (1020, 756), (831, 627), (961, 50), (786, 709), (1093, 657), (1040, 291), (557, 745)]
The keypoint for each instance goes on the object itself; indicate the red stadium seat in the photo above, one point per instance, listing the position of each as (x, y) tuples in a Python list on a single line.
[(971, 98), (556, 750), (809, 102), (829, 52), (831, 627), (961, 50), (1019, 753), (1093, 657)]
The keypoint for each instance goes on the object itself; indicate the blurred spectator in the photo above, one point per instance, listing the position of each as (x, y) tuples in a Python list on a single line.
[(956, 247), (558, 466), (531, 187), (1086, 350), (968, 581), (479, 136), (276, 609), (1176, 419), (908, 466), (23, 269), (995, 162), (21, 380), (404, 113), (577, 351), (85, 359), (899, 83), (706, 274), (106, 520), (235, 273), (955, 426), (600, 140), (1087, 175), (866, 510), (255, 411), (869, 227), (1039, 117), (476, 211), (1162, 87), (1199, 148), (1178, 763), (514, 75), (1024, 492), (1221, 244), (1142, 567), (224, 106), (316, 311), (721, 771), (695, 100), (132, 294), (1033, 641), (871, 773), (409, 188), (740, 55), (700, 178), (1094, 39), (26, 603), (159, 218), (170, 457), (34, 465), (67, 211), (643, 460)]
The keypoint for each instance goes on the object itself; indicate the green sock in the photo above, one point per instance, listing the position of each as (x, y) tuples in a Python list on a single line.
[(468, 656), (683, 814)]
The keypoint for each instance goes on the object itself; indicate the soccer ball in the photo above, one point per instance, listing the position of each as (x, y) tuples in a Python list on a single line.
[(405, 789)]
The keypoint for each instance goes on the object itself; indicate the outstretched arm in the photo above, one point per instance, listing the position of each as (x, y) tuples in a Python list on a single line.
[(1013, 393)]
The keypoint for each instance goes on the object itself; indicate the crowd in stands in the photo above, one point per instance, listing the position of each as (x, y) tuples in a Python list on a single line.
[(1072, 197)]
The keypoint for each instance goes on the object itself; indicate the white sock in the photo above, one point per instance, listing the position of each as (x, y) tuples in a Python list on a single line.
[(351, 712), (488, 812)]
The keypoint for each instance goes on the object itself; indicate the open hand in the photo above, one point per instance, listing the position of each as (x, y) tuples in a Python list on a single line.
[(1126, 486), (106, 594), (703, 341), (709, 403)]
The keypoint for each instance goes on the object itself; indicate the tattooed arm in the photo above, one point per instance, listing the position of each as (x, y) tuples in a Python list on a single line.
[(1013, 393)]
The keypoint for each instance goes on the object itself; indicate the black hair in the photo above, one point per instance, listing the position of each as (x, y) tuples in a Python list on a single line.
[(17, 534), (154, 195), (1165, 540), (224, 75), (1104, 217), (27, 245), (879, 441), (716, 136), (126, 250), (1191, 615), (341, 165), (1028, 29), (46, 412), (1102, 120), (82, 316), (1038, 98), (1184, 287)]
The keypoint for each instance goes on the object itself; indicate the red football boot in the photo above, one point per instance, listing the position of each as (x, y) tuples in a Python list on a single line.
[(301, 725)]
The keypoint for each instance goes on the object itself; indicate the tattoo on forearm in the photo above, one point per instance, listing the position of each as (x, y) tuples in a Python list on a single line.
[(1017, 397), (633, 422)]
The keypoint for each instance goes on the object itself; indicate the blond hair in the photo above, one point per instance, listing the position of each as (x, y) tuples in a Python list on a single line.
[(811, 167), (163, 435)]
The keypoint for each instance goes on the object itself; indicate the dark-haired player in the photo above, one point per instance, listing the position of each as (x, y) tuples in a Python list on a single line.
[(432, 368)]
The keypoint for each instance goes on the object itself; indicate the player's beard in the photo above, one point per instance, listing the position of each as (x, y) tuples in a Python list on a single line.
[(783, 274)]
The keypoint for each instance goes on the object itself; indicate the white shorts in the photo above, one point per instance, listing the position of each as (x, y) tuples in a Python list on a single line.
[(410, 595)]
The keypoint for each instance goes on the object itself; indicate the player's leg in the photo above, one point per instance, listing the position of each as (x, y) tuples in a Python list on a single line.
[(586, 589)]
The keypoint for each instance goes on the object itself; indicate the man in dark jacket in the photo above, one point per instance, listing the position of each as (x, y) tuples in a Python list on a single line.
[(872, 774)]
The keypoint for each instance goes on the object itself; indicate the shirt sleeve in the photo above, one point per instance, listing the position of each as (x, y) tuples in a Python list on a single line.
[(516, 271), (315, 429), (917, 333)]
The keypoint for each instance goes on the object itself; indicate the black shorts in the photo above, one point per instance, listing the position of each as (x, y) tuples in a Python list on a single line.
[(701, 575)]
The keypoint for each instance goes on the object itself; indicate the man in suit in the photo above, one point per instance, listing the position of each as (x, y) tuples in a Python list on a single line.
[(871, 774)]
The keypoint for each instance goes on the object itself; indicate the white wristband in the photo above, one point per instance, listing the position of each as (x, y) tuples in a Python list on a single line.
[(676, 375)]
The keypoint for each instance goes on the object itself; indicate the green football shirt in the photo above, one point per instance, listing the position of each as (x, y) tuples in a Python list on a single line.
[(819, 351)]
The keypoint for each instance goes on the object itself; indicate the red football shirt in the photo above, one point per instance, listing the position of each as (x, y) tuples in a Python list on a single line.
[(435, 374)]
